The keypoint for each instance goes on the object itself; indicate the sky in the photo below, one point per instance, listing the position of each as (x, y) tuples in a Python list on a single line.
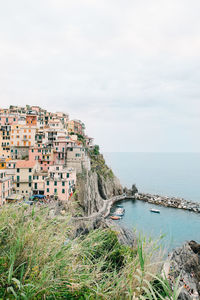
[(130, 70)]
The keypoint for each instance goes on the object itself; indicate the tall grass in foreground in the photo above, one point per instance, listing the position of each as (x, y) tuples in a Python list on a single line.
[(36, 263)]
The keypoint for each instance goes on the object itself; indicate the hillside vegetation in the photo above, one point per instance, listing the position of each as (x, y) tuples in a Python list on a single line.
[(40, 260)]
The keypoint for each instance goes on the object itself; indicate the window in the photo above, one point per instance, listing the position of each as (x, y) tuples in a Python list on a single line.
[(63, 183), (30, 170), (29, 184), (18, 171), (35, 186), (67, 175), (63, 191), (55, 191), (47, 190), (47, 182), (32, 150), (55, 182), (18, 178), (17, 184), (30, 178)]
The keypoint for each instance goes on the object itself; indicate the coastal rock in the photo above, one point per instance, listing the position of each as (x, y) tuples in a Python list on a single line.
[(132, 191), (185, 262), (93, 189), (124, 235)]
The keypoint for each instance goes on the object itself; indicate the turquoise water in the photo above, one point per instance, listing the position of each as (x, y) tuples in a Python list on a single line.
[(166, 174)]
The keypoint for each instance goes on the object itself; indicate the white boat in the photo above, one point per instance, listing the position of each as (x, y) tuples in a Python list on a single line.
[(155, 210), (119, 212)]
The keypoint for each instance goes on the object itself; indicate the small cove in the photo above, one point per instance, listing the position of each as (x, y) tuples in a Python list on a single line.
[(176, 225)]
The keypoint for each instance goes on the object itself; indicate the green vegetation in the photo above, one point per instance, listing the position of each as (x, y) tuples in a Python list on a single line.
[(80, 137), (37, 261), (98, 163)]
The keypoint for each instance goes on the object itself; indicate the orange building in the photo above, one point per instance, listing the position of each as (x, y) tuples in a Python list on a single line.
[(31, 120), (3, 162)]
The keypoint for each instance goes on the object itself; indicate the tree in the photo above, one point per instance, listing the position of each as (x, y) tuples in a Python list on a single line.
[(96, 150)]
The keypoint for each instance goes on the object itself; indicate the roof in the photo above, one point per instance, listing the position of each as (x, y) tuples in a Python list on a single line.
[(25, 164)]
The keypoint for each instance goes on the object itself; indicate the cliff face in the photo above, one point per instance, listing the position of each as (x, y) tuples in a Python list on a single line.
[(93, 188), (185, 262)]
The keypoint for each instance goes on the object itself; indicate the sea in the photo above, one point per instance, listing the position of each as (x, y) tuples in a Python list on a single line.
[(168, 174)]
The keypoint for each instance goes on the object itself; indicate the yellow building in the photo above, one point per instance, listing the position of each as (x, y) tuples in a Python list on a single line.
[(3, 162), (76, 126)]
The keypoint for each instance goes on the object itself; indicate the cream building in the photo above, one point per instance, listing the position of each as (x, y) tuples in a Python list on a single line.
[(25, 171), (22, 136)]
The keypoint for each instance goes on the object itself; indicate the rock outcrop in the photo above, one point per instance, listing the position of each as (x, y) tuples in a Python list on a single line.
[(185, 262), (132, 191), (92, 189), (124, 235)]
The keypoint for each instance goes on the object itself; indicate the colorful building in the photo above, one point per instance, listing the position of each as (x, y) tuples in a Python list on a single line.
[(76, 127), (60, 182), (8, 119), (22, 136), (25, 170), (31, 120), (5, 186)]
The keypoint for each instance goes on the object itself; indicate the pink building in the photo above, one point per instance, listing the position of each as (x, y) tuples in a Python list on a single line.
[(5, 186), (60, 182), (60, 146), (8, 120), (44, 155)]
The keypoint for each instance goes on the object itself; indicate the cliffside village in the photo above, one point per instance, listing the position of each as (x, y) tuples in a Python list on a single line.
[(40, 154)]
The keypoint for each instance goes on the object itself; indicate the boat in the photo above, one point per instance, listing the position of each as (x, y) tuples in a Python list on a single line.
[(115, 217), (119, 212), (119, 205), (155, 210)]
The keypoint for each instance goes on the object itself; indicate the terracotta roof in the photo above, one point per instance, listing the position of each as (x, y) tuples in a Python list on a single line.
[(25, 164)]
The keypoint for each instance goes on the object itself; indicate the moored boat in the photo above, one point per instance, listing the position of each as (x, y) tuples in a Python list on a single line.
[(115, 217), (119, 212), (155, 210)]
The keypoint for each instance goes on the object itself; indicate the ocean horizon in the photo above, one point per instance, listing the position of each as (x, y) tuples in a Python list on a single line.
[(170, 174)]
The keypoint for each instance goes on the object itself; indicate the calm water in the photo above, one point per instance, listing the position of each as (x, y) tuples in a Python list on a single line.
[(165, 174)]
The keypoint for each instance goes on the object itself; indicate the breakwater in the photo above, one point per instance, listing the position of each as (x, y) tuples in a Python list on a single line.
[(174, 202)]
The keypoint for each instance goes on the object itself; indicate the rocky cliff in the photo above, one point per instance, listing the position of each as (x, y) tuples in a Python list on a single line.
[(185, 262), (93, 188)]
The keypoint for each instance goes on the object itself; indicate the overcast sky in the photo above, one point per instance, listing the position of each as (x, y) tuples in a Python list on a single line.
[(129, 69)]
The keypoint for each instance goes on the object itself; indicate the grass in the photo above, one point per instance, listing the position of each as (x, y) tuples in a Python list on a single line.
[(38, 262)]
